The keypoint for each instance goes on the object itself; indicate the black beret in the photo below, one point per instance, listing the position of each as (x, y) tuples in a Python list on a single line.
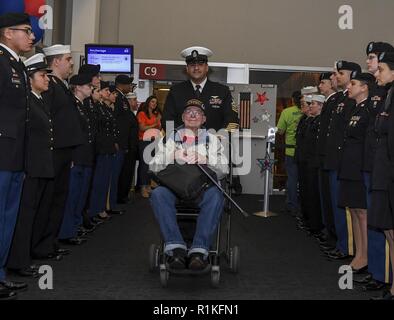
[(90, 69), (104, 84), (346, 65), (360, 76), (80, 79), (123, 79), (195, 103), (325, 76), (386, 57), (112, 89), (379, 47), (12, 19)]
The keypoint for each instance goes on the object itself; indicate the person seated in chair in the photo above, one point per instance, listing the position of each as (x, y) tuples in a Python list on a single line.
[(191, 145)]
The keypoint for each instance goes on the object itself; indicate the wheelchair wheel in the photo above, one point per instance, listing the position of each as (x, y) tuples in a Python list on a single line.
[(234, 259), (215, 277), (164, 276), (153, 258)]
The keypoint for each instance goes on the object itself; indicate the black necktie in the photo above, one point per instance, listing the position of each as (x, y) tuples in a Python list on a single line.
[(198, 92)]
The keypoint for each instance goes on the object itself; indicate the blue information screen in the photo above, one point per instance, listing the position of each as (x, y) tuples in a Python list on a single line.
[(113, 59)]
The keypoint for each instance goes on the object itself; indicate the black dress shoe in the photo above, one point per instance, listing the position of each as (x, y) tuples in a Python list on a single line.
[(63, 252), (339, 256), (116, 212), (53, 257), (178, 259), (14, 286), (374, 285), (197, 262), (73, 241), (327, 248), (385, 296), (6, 294), (96, 221), (363, 270), (363, 280), (25, 273)]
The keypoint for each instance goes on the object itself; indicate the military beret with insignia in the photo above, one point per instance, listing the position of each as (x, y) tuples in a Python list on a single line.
[(346, 65), (80, 79), (379, 47), (91, 69), (13, 19), (325, 76), (361, 76), (386, 57), (104, 85)]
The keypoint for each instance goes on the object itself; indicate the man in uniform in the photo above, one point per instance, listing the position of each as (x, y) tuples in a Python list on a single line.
[(220, 109), (67, 135), (340, 117), (128, 139), (16, 38)]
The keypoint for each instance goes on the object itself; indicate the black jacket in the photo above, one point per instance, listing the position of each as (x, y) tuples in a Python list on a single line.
[(352, 160), (340, 118), (68, 132), (311, 155), (83, 155), (219, 105), (40, 140), (14, 101), (106, 130), (300, 139)]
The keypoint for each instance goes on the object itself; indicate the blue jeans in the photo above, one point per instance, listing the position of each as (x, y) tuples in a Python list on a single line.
[(163, 202), (292, 183)]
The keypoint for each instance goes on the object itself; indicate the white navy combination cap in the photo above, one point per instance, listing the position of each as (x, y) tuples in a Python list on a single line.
[(319, 98), (196, 54), (57, 49), (36, 63)]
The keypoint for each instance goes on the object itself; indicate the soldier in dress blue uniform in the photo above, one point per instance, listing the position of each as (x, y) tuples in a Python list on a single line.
[(16, 38), (82, 163), (378, 257), (221, 112), (352, 192), (340, 117), (106, 149), (39, 167), (381, 213)]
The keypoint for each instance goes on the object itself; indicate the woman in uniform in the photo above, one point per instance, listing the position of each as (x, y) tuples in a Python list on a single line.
[(352, 192)]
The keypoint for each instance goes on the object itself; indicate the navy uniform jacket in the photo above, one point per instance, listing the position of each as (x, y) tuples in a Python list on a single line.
[(83, 155), (382, 164), (377, 96), (40, 140), (310, 142), (14, 101), (106, 130), (67, 127), (127, 124), (352, 160), (219, 105), (325, 117), (300, 139), (93, 113), (340, 118)]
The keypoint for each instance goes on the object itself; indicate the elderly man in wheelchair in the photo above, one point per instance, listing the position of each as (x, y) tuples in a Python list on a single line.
[(191, 147)]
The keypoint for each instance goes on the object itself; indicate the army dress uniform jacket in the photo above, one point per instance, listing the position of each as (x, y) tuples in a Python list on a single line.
[(83, 155), (67, 132), (14, 108), (377, 97), (106, 130), (300, 139), (127, 124), (325, 117), (340, 117), (40, 140), (219, 106), (351, 164)]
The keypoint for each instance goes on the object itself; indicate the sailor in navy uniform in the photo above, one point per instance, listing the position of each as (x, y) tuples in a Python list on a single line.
[(378, 256), (39, 167), (82, 163), (67, 135), (221, 111), (16, 38), (352, 192), (340, 117)]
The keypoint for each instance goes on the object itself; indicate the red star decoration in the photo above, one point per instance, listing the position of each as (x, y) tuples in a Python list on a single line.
[(262, 98)]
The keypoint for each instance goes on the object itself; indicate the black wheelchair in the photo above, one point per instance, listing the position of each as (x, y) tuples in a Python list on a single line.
[(187, 214)]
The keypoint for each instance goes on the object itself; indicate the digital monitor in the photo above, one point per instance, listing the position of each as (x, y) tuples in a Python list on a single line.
[(112, 58)]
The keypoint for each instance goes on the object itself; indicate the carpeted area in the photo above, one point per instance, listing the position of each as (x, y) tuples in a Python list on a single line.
[(277, 262)]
